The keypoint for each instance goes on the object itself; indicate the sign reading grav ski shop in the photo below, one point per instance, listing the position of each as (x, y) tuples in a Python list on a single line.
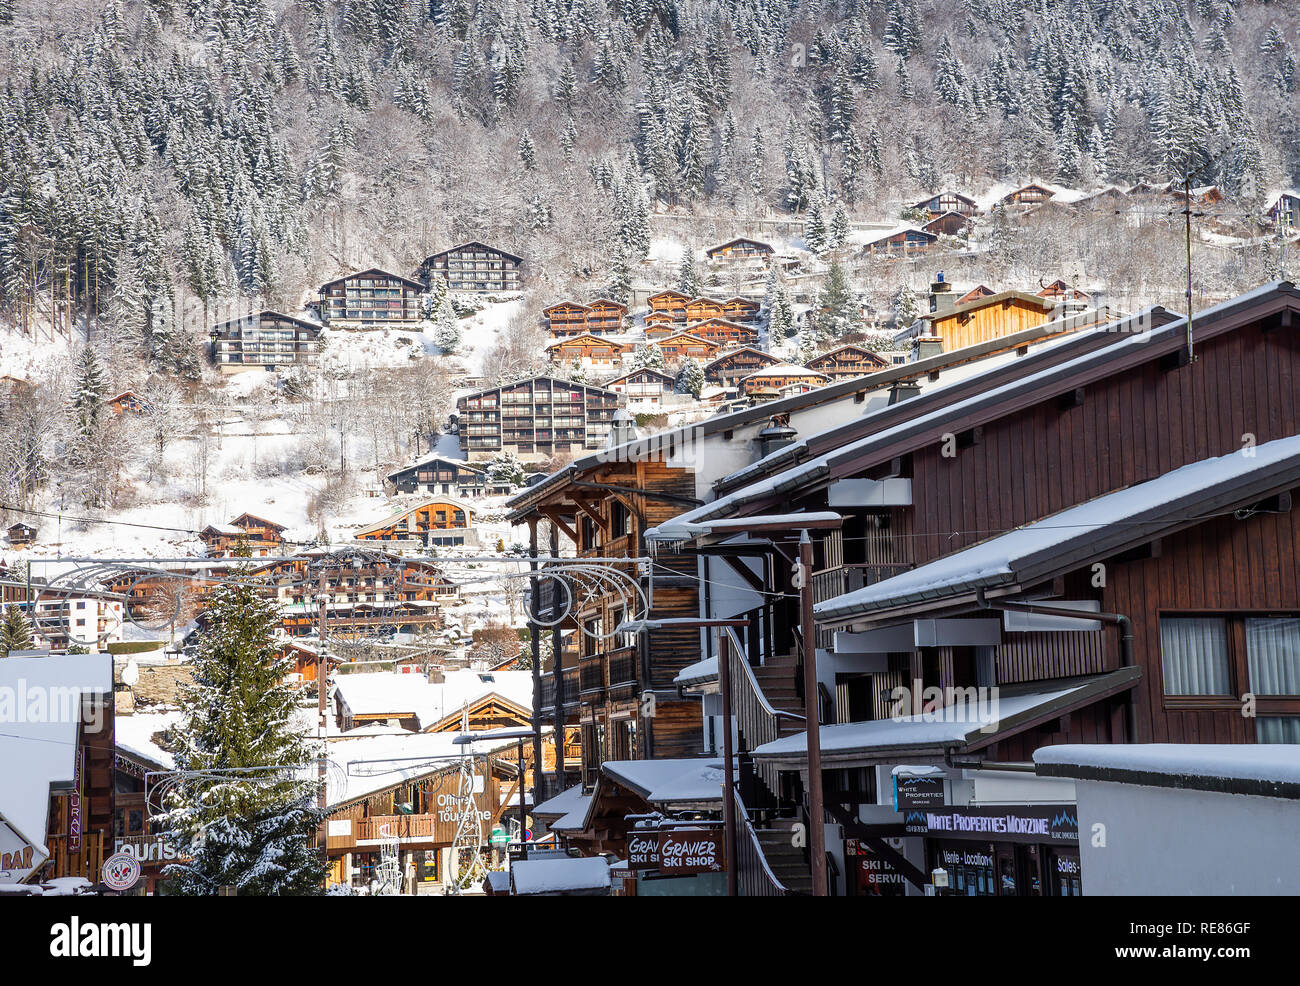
[(1003, 823), (686, 851), (642, 849), (917, 792)]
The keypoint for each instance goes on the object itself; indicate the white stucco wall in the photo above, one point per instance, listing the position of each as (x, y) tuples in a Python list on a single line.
[(1170, 842)]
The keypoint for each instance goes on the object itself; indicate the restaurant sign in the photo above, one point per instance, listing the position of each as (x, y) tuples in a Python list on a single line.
[(643, 849), (1001, 823), (683, 852)]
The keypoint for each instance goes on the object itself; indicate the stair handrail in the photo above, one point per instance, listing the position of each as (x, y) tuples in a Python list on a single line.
[(738, 649), (756, 847)]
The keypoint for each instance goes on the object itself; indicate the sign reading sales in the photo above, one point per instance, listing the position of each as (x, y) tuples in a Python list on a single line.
[(687, 851)]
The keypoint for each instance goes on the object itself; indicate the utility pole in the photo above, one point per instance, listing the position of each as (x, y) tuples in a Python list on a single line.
[(816, 802), (1187, 211), (322, 682)]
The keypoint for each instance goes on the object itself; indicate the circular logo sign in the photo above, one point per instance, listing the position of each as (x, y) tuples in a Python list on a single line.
[(121, 871)]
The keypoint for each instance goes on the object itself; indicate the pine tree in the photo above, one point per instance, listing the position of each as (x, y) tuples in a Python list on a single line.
[(15, 634), (446, 326), (527, 151), (690, 378), (816, 234), (688, 277), (87, 404), (245, 813)]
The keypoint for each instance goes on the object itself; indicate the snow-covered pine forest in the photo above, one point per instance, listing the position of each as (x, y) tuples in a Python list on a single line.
[(170, 163)]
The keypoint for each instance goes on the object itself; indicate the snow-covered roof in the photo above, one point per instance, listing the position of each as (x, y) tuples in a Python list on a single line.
[(362, 765), (969, 721), (1010, 558), (698, 673), (569, 800), (389, 692), (1270, 770), (687, 780), (134, 736), (38, 744), (552, 876)]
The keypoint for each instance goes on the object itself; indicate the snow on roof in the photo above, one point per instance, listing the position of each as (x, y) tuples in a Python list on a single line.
[(1195, 765), (134, 735), (698, 673), (390, 693), (362, 765), (996, 560), (679, 530), (550, 876), (668, 781), (953, 725), (563, 803), (39, 751)]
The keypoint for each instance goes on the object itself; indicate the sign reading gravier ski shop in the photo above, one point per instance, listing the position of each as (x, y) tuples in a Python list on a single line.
[(686, 851), (1003, 823), (917, 792), (642, 849)]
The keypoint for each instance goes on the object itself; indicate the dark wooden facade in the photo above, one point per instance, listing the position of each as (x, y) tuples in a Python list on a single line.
[(439, 474), (904, 243), (536, 417), (262, 537), (730, 367), (371, 298), (948, 201), (267, 340), (474, 267), (740, 249), (847, 361)]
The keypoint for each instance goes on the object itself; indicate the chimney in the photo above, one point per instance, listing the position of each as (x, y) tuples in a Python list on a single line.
[(941, 299), (926, 346), (622, 429), (902, 390), (778, 434)]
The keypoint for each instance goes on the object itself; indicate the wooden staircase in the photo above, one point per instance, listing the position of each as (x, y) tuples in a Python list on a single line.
[(784, 859), (778, 679)]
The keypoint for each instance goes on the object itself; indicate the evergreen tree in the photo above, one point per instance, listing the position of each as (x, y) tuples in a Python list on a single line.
[(645, 355), (245, 813), (87, 404), (690, 378), (816, 233), (15, 634), (688, 277), (527, 151), (838, 310)]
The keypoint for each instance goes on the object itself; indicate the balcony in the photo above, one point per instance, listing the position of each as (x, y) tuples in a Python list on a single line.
[(591, 684)]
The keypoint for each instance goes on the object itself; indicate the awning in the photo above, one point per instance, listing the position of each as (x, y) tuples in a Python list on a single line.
[(971, 723)]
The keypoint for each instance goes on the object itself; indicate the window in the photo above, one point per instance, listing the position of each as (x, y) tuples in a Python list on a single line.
[(1273, 656), (1194, 655), (1277, 729)]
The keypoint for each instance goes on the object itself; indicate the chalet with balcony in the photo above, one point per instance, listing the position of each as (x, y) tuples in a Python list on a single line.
[(606, 317), (439, 474), (476, 268), (669, 303), (262, 537), (776, 379), (587, 350), (371, 299), (700, 309), (21, 535), (740, 250), (535, 418), (440, 522), (643, 386), (724, 334), (1028, 195), (847, 361), (726, 369), (1078, 587), (682, 345), (742, 310), (948, 224), (566, 320), (266, 340), (945, 202), (128, 402), (901, 243)]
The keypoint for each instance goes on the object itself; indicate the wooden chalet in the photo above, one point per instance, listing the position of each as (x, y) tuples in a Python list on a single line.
[(269, 340), (606, 317), (730, 367), (742, 310), (21, 535), (986, 318), (587, 350), (847, 361), (474, 267), (566, 319), (440, 522), (778, 377), (262, 537), (598, 673), (724, 334), (1028, 195), (975, 294), (1100, 616), (700, 309), (1284, 209), (740, 249), (128, 402), (439, 474), (661, 324), (1060, 290), (682, 345), (948, 224), (536, 418), (945, 202), (371, 298), (669, 303), (643, 386), (902, 243), (57, 798)]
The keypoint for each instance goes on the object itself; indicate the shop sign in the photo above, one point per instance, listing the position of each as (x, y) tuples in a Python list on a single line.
[(642, 849), (74, 808), (687, 851), (874, 875), (918, 792), (1003, 823)]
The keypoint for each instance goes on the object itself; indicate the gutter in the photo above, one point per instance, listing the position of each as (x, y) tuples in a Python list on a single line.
[(1119, 620)]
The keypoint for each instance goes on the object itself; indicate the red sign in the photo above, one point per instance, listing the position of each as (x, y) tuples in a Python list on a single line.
[(687, 851), (642, 849), (74, 808)]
